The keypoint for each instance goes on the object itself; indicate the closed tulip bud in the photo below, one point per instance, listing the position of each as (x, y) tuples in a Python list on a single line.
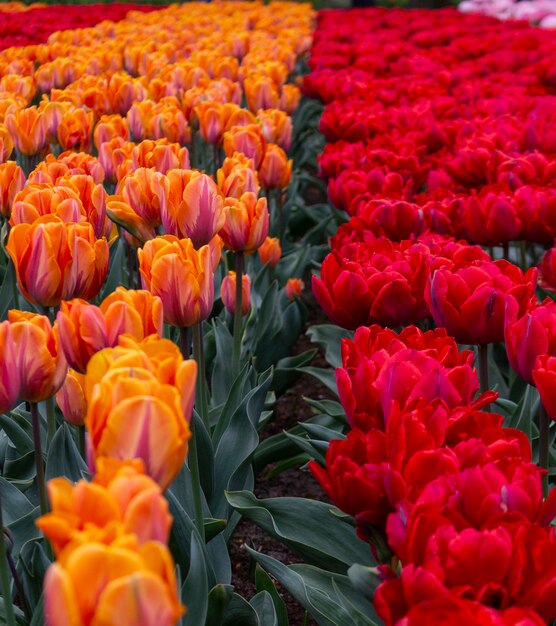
[(294, 286), (68, 164), (277, 127), (228, 293), (71, 398), (121, 500), (247, 221), (9, 374), (261, 93), (126, 585), (109, 127), (249, 140), (270, 251), (289, 99), (27, 129), (275, 170), (12, 181), (161, 155), (41, 364), (123, 90), (55, 261), (181, 276), (75, 130), (237, 176), (195, 209)]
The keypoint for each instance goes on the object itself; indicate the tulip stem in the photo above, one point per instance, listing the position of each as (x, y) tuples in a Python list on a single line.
[(19, 588), (280, 211), (506, 250), (238, 335), (5, 576), (202, 393), (185, 343), (196, 481), (39, 463), (50, 419), (523, 250), (543, 445), (81, 442), (15, 290), (483, 366)]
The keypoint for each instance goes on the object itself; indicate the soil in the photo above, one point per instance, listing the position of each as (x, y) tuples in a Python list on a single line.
[(290, 409)]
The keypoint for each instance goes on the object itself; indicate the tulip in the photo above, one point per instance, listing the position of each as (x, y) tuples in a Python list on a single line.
[(248, 140), (109, 127), (12, 181), (237, 176), (67, 164), (289, 99), (181, 276), (75, 130), (544, 377), (195, 208), (6, 144), (491, 219), (294, 286), (160, 154), (113, 156), (121, 500), (167, 120), (93, 199), (56, 261), (27, 129), (214, 119), (547, 270), (275, 169), (71, 398), (261, 93), (270, 251), (39, 360), (10, 376), (228, 293), (126, 585), (276, 126), (39, 199), (246, 225), (469, 301)]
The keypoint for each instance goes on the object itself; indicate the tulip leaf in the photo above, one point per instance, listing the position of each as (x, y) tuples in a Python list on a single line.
[(195, 587), (326, 376), (16, 432), (308, 446), (326, 542), (18, 614), (239, 611), (329, 338), (365, 579), (285, 372), (115, 276), (222, 372), (32, 566), (263, 582), (330, 407), (214, 527), (14, 504), (218, 600), (63, 457), (296, 461), (264, 607), (20, 468), (24, 529), (322, 433), (6, 292), (38, 613), (317, 591), (205, 454)]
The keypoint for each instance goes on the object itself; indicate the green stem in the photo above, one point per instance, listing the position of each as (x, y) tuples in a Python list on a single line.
[(202, 395), (81, 442), (196, 481), (19, 589), (238, 335), (15, 289), (543, 445), (483, 368), (5, 576), (39, 463), (185, 342), (280, 211), (523, 251), (50, 419)]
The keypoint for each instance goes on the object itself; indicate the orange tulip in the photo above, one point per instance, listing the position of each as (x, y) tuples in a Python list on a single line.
[(121, 500), (10, 380), (108, 127), (276, 126), (93, 198), (40, 199), (71, 398), (54, 112), (261, 93), (131, 414), (237, 176), (246, 225), (275, 170), (294, 286), (123, 90), (270, 251), (215, 118), (168, 121), (6, 144), (125, 585), (68, 163), (113, 156), (160, 154), (12, 181), (75, 130), (228, 293), (181, 276), (289, 99), (248, 140), (27, 129), (38, 358), (195, 208), (138, 118), (55, 261)]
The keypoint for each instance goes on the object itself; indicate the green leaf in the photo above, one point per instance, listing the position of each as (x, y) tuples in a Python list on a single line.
[(16, 432), (314, 589), (14, 504), (218, 600), (329, 338), (285, 372), (32, 566), (330, 407), (114, 278), (6, 292), (38, 613), (24, 529), (63, 457), (18, 614), (264, 607), (222, 376), (263, 582), (308, 446), (294, 461), (326, 376), (239, 611), (326, 541), (365, 579), (195, 588), (213, 527)]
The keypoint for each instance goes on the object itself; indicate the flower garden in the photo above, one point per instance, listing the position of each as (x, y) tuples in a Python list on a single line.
[(209, 208)]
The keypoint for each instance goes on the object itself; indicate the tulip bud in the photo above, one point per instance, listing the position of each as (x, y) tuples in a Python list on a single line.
[(247, 222), (270, 251), (161, 155), (27, 129), (276, 127), (248, 140), (261, 93), (71, 398), (237, 176), (109, 127), (228, 293), (75, 130), (294, 286), (275, 170)]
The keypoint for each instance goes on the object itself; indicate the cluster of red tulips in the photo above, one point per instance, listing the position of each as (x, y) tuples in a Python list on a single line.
[(441, 139)]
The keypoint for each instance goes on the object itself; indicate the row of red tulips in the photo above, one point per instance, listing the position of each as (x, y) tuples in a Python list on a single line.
[(440, 130)]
